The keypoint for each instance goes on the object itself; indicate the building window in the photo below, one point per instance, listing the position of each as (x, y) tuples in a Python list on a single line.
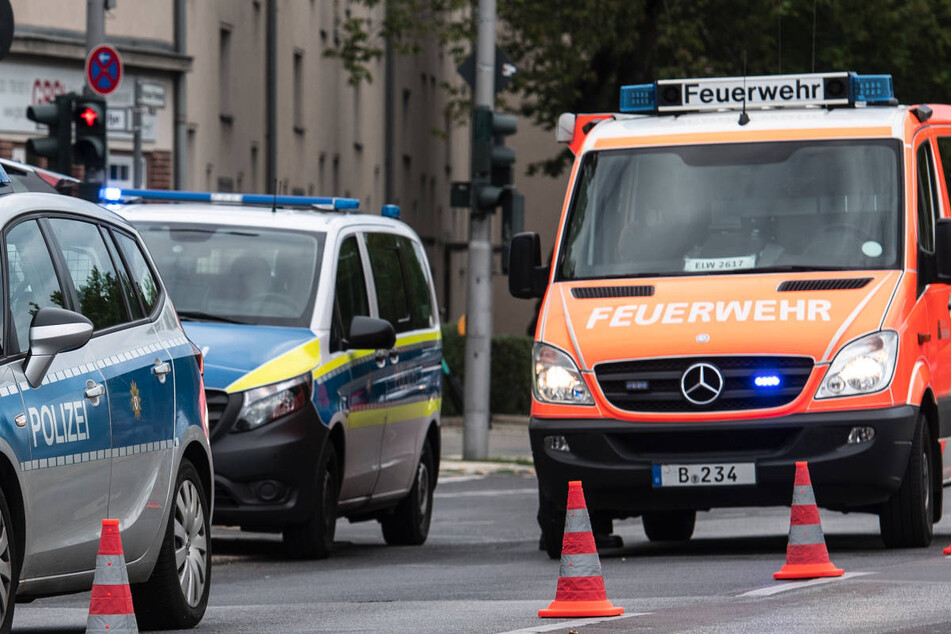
[(299, 92), (224, 74), (120, 171)]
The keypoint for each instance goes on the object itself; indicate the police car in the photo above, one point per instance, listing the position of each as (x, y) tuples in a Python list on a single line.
[(750, 272), (101, 414), (322, 353)]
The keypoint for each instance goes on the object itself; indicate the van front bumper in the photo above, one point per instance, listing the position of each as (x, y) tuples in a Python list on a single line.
[(614, 460)]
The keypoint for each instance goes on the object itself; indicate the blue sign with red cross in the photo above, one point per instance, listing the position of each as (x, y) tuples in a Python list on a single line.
[(103, 69)]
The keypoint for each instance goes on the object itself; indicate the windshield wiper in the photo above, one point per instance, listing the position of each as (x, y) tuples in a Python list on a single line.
[(197, 315), (795, 268)]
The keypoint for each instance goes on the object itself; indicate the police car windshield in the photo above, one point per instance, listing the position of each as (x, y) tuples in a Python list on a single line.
[(735, 208), (237, 274)]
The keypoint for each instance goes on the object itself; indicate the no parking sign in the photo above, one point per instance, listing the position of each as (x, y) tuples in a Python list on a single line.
[(103, 69)]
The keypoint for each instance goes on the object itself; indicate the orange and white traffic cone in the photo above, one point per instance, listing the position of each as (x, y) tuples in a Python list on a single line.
[(580, 585), (806, 554), (947, 551), (110, 608)]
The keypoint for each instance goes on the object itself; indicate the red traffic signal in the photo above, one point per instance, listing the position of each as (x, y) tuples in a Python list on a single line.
[(89, 116)]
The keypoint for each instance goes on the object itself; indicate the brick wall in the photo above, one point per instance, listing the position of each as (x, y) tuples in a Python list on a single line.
[(160, 169)]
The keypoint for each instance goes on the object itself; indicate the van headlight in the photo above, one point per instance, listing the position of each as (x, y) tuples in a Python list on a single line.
[(270, 402), (556, 378), (864, 366)]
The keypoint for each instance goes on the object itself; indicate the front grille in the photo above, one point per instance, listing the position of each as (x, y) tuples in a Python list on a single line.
[(849, 283), (654, 385), (217, 402), (607, 292)]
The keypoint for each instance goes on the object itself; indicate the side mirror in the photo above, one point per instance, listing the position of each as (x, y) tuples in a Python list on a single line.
[(53, 330), (942, 248), (368, 333), (527, 277)]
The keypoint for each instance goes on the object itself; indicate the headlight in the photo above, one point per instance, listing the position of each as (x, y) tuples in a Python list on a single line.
[(862, 367), (264, 404), (557, 379)]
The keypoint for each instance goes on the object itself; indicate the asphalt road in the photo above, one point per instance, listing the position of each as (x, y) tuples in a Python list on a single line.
[(481, 571)]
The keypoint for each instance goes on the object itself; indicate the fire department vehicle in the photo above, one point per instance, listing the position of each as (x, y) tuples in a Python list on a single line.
[(749, 272)]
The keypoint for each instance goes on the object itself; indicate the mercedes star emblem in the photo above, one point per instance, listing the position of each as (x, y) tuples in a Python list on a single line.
[(701, 383)]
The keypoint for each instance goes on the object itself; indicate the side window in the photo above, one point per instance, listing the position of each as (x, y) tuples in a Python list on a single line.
[(350, 291), (135, 306), (33, 281), (142, 277), (927, 198), (92, 272), (421, 299), (944, 151), (388, 279)]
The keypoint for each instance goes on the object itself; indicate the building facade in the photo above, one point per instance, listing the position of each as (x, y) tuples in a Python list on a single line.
[(252, 102)]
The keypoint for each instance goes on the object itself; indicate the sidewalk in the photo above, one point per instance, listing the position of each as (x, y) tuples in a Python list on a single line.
[(509, 448)]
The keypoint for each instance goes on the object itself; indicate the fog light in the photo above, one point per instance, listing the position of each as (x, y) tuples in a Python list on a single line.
[(861, 434), (557, 443)]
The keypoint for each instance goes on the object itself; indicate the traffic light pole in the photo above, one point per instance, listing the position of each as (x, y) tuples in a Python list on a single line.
[(475, 438), (95, 35)]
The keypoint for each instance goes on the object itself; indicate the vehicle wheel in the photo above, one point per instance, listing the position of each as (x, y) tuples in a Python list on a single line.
[(9, 567), (906, 518), (551, 519), (314, 539), (669, 526), (409, 523), (176, 595)]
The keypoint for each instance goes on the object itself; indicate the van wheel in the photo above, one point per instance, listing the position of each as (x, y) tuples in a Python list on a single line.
[(9, 566), (408, 525), (906, 518), (551, 519), (314, 539), (176, 595), (669, 526)]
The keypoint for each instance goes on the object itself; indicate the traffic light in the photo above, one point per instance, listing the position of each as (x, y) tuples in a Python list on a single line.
[(492, 161), (89, 116), (56, 146)]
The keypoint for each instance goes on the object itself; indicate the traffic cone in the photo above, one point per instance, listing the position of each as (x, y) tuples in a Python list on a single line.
[(110, 608), (806, 554), (947, 551), (580, 586)]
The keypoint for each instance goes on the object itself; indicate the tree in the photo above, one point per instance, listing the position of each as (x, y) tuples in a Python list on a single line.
[(574, 55)]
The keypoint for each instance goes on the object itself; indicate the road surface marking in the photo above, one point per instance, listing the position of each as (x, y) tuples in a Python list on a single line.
[(561, 624), (795, 585), (494, 492)]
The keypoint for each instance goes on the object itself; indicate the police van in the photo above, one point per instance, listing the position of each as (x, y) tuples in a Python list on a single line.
[(749, 272), (322, 354), (102, 414)]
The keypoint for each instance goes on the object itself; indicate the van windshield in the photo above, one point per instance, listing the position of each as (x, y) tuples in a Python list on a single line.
[(241, 275), (734, 208)]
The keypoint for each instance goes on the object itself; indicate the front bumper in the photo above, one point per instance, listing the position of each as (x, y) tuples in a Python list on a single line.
[(613, 459), (265, 478)]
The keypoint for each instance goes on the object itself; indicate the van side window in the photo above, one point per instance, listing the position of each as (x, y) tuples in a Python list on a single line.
[(350, 291), (421, 303), (927, 198), (944, 151), (92, 272), (388, 277), (33, 281)]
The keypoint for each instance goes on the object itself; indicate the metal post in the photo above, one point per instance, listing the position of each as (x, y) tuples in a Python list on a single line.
[(181, 114), (137, 136), (270, 99), (475, 437), (95, 35)]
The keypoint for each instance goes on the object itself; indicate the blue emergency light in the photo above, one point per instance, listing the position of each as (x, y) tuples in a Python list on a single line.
[(764, 91), (390, 211), (767, 381), (117, 195)]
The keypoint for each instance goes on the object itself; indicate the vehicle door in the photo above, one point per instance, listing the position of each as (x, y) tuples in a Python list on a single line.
[(356, 378), (404, 297), (66, 480), (941, 302), (135, 366)]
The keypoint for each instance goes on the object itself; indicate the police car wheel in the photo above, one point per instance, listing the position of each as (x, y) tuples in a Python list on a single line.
[(906, 518), (314, 539), (669, 526), (551, 519), (176, 595), (409, 523), (9, 566)]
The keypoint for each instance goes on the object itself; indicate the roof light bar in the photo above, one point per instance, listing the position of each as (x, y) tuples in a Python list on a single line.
[(766, 91), (116, 194)]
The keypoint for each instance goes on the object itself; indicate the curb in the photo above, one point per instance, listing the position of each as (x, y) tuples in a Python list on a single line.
[(453, 465)]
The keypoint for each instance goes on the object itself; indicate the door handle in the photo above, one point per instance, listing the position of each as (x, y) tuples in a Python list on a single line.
[(394, 355), (160, 369), (380, 357), (94, 391)]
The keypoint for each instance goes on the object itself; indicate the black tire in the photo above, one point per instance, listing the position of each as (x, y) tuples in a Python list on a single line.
[(408, 525), (9, 567), (161, 602), (314, 539), (669, 526), (906, 518), (551, 519)]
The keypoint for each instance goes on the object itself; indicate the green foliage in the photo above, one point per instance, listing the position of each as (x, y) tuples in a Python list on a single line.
[(511, 389), (100, 299), (573, 55)]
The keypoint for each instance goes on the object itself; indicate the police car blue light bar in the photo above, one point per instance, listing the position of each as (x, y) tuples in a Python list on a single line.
[(117, 194), (766, 91)]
